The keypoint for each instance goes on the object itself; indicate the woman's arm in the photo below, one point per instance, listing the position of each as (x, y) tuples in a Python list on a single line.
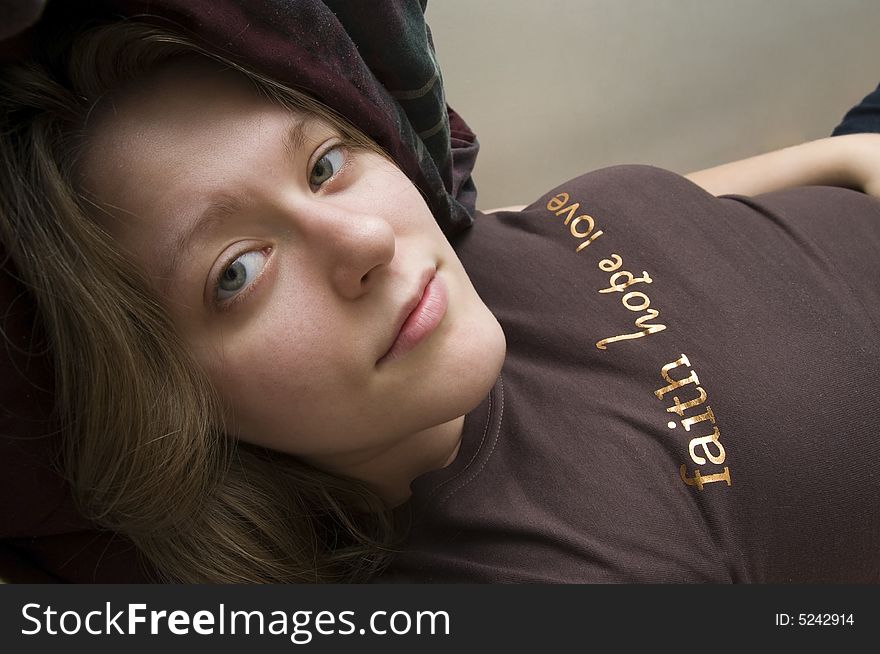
[(852, 161), (515, 207)]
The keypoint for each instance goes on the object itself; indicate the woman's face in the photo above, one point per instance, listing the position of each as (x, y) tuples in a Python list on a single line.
[(289, 263)]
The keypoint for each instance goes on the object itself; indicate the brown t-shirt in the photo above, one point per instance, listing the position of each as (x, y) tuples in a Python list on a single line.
[(691, 392)]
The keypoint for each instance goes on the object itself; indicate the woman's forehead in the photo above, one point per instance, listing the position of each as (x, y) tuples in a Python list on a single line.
[(189, 114), (190, 89), (160, 153)]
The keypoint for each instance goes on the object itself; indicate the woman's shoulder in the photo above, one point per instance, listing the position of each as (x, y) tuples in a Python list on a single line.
[(610, 177), (579, 213)]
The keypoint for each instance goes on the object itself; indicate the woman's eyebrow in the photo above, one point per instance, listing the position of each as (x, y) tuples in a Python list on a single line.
[(295, 137), (222, 206)]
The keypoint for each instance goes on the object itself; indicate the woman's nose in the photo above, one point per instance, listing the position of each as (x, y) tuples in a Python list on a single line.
[(355, 246)]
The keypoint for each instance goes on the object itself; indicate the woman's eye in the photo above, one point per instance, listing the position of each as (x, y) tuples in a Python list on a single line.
[(239, 274), (327, 166)]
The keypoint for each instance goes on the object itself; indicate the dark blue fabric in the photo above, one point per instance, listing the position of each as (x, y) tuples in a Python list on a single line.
[(864, 117)]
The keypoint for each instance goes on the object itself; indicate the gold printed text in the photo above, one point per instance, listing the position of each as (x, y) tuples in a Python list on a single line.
[(633, 300), (579, 226), (705, 449)]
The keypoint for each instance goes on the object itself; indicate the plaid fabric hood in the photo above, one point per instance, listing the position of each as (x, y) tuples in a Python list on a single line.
[(373, 62)]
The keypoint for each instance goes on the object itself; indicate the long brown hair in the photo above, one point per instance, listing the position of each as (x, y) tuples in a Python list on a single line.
[(143, 448)]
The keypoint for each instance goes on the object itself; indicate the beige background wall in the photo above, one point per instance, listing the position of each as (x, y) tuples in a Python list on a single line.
[(554, 88)]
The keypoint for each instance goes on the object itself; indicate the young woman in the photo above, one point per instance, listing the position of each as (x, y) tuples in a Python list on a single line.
[(273, 366)]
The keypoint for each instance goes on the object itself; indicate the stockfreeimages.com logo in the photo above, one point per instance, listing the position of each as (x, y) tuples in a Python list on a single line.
[(300, 626)]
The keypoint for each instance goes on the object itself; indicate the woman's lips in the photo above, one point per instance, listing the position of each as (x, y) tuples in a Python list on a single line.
[(421, 321)]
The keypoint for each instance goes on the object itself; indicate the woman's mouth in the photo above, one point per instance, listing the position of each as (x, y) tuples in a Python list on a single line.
[(421, 321)]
